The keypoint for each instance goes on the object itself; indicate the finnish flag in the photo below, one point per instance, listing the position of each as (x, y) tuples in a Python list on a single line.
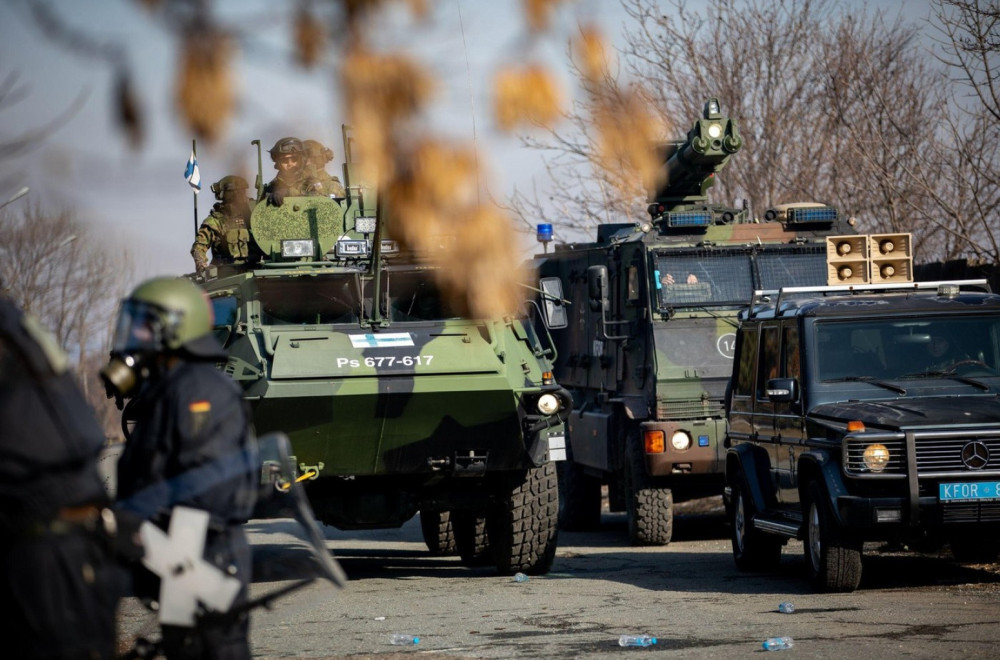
[(192, 174)]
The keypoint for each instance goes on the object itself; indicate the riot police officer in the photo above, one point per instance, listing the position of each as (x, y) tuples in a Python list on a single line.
[(289, 157), (191, 445), (226, 230), (58, 583)]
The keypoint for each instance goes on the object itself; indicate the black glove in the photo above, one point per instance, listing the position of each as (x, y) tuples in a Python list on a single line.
[(120, 529), (276, 197)]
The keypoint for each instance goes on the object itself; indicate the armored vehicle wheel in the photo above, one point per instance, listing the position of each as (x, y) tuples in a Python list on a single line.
[(833, 562), (752, 549), (650, 509), (579, 497), (439, 535), (523, 526), (471, 540)]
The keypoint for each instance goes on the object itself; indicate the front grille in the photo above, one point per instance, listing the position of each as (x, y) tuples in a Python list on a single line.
[(942, 453), (935, 455), (689, 408), (854, 456), (970, 512)]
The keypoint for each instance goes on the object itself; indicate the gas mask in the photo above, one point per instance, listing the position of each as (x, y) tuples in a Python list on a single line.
[(142, 333), (124, 375)]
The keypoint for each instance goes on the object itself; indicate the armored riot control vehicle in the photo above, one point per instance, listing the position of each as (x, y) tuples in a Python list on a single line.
[(646, 344), (393, 403)]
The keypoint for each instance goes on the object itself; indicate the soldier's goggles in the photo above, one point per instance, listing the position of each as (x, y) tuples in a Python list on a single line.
[(287, 147)]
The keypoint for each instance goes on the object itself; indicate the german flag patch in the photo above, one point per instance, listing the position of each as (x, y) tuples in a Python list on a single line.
[(200, 413)]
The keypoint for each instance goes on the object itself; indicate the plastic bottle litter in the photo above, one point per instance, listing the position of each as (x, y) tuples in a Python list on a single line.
[(778, 644), (636, 640), (402, 639), (520, 577), (786, 607)]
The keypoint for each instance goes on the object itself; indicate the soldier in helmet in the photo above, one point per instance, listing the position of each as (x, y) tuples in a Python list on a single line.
[(322, 182), (226, 230), (289, 156), (58, 583), (191, 445)]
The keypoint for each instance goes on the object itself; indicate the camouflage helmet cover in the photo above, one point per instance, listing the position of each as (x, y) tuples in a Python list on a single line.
[(167, 314), (317, 153), (229, 183), (286, 145)]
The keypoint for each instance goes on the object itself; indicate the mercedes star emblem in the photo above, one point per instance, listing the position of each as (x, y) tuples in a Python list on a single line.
[(975, 455)]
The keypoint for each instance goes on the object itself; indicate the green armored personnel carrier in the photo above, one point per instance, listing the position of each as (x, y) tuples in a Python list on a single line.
[(394, 404), (646, 345)]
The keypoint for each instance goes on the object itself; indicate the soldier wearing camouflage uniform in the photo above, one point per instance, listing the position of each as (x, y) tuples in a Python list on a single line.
[(226, 230), (323, 183), (289, 156)]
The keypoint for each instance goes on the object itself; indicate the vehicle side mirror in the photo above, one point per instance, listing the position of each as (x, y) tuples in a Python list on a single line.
[(782, 390), (552, 303), (597, 287)]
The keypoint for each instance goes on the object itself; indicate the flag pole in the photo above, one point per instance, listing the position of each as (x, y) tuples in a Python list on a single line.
[(194, 191)]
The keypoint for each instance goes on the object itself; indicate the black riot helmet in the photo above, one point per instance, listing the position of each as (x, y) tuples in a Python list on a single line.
[(229, 185)]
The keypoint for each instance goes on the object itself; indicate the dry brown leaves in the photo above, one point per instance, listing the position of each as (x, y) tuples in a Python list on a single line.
[(627, 131), (526, 96), (310, 38), (356, 10), (591, 54), (627, 127), (434, 209), (539, 12), (382, 92), (204, 91), (129, 114)]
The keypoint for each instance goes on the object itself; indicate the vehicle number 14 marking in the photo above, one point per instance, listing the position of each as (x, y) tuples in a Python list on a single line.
[(383, 361)]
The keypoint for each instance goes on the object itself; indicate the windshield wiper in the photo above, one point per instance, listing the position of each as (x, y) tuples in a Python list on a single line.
[(670, 310), (950, 376), (871, 380), (716, 315)]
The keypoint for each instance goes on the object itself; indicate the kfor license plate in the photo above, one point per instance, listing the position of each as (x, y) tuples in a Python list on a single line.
[(980, 490)]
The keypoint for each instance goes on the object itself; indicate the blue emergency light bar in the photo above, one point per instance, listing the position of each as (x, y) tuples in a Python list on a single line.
[(812, 215), (689, 219)]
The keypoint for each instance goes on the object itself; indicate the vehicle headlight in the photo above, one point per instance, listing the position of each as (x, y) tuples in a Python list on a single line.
[(298, 247), (548, 404), (876, 457), (680, 440)]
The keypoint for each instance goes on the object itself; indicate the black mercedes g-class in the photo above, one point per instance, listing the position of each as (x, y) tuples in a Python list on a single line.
[(864, 413)]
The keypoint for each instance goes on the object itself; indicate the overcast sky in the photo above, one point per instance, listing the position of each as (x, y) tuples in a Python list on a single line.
[(140, 200)]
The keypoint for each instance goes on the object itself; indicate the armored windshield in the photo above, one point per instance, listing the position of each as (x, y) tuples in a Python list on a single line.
[(412, 295), (687, 349), (729, 276), (908, 348), (311, 300)]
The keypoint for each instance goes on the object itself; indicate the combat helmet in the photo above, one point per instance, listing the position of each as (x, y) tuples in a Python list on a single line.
[(167, 314), (286, 145), (317, 153), (230, 183)]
